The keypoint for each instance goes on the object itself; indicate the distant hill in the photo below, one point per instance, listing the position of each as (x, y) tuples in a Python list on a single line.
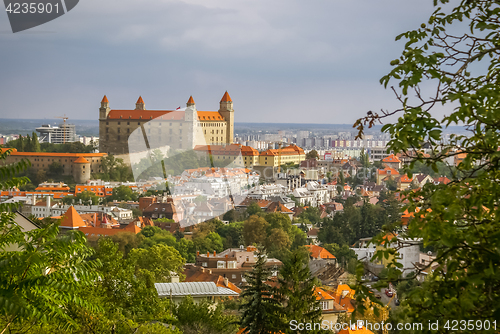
[(91, 127)]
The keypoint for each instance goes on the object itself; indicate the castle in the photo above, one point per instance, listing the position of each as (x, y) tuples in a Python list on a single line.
[(176, 128)]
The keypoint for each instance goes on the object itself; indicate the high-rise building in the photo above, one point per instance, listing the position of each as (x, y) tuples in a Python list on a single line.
[(64, 133)]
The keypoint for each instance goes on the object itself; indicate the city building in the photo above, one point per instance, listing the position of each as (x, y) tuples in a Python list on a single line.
[(179, 128), (233, 263), (64, 133), (79, 165)]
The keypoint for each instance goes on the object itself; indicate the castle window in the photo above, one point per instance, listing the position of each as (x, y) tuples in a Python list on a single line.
[(128, 130), (128, 123), (107, 123), (107, 130), (118, 137), (138, 123), (118, 130), (107, 137), (119, 122)]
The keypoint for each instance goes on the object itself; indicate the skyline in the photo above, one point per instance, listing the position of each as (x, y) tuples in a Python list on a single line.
[(277, 60)]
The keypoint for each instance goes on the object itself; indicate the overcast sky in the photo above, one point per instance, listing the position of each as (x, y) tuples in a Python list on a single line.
[(282, 61)]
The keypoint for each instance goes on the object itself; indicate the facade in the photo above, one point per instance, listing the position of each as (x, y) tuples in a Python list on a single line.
[(233, 263), (64, 133), (176, 129), (79, 165)]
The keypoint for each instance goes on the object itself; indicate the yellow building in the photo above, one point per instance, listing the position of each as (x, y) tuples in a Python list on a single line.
[(174, 128), (250, 157)]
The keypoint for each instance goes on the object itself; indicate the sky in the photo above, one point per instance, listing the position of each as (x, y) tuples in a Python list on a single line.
[(282, 61)]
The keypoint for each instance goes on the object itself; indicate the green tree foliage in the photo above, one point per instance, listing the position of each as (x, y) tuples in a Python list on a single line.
[(313, 154), (345, 256), (56, 168), (153, 235), (253, 209), (41, 272), (255, 230), (260, 309), (353, 223), (122, 193), (296, 293), (114, 169), (86, 197), (203, 318), (456, 54)]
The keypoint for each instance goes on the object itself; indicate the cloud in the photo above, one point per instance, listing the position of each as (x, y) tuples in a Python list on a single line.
[(276, 58)]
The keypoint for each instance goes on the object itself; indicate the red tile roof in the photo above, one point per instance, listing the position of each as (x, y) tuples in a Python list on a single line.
[(140, 100), (226, 98), (191, 100), (81, 160), (391, 158), (319, 252), (405, 179), (72, 219), (104, 99)]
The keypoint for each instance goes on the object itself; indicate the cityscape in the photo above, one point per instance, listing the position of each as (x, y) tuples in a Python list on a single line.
[(234, 173)]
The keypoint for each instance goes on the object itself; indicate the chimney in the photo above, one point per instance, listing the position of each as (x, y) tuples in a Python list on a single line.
[(208, 254), (226, 281), (48, 203), (215, 254), (227, 256), (198, 253), (33, 199)]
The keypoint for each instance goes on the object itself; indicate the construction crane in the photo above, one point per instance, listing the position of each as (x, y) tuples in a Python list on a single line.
[(64, 126)]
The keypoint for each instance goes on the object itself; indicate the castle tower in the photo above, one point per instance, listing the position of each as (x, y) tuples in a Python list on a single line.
[(191, 137), (104, 109), (139, 105), (103, 117), (81, 170), (226, 110)]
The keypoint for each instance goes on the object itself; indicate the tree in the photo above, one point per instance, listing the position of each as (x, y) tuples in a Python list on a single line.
[(56, 168), (87, 198), (260, 310), (296, 293), (255, 230), (313, 154), (35, 143), (203, 318), (122, 193), (456, 54), (41, 271), (253, 208)]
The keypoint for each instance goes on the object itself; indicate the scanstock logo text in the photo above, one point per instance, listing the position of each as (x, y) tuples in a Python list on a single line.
[(26, 14)]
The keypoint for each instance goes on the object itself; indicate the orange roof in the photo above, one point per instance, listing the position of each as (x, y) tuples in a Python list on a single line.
[(104, 99), (81, 160), (72, 219), (209, 116), (442, 179), (322, 294), (50, 154), (226, 98), (191, 100), (319, 252), (406, 179), (140, 100), (386, 170), (132, 228), (391, 158)]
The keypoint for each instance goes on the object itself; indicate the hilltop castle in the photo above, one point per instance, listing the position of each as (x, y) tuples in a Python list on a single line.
[(176, 128)]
